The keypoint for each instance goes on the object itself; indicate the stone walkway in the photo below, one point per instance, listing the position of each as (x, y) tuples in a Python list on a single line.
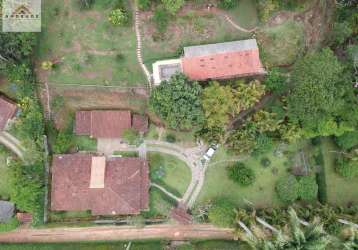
[(139, 46)]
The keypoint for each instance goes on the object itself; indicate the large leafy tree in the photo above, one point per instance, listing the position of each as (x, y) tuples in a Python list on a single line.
[(218, 103), (246, 95), (15, 47), (318, 94), (178, 102)]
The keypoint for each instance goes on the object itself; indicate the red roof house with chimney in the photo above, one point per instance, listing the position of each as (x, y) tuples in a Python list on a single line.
[(108, 123), (115, 186)]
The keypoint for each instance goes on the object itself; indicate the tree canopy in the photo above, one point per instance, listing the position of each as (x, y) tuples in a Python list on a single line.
[(319, 88), (178, 102)]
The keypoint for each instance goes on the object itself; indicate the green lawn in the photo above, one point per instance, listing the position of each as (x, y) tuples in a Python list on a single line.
[(85, 143), (88, 45), (66, 215), (282, 44), (121, 245), (159, 204), (261, 193), (139, 245), (245, 14), (340, 191), (4, 175), (170, 172), (191, 27)]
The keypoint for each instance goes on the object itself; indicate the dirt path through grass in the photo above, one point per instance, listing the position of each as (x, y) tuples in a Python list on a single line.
[(101, 233)]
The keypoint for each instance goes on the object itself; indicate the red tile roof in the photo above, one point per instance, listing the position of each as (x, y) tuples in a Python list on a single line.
[(108, 123), (140, 123), (223, 65), (125, 191), (7, 111), (102, 123)]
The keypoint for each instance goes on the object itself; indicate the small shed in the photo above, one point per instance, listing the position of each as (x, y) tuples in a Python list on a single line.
[(7, 210)]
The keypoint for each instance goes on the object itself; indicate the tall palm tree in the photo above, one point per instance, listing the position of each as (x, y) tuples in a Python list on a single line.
[(311, 237)]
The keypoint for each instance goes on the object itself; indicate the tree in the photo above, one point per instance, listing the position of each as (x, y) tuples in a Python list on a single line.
[(118, 17), (241, 174), (246, 95), (340, 33), (308, 188), (287, 189), (243, 139), (275, 81), (318, 91), (217, 104), (16, 47), (131, 136), (346, 168), (265, 121), (348, 140), (178, 102), (173, 5), (63, 142), (222, 213), (227, 4)]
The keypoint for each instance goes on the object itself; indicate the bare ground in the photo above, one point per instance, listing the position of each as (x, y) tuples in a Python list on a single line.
[(113, 233)]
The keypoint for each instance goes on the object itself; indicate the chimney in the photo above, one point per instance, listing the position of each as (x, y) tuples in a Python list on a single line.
[(98, 169)]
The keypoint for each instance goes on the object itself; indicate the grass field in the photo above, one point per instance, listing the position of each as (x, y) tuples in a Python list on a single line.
[(282, 44), (85, 143), (245, 14), (136, 245), (89, 48), (170, 172), (261, 193), (340, 191), (159, 204), (192, 26), (4, 175)]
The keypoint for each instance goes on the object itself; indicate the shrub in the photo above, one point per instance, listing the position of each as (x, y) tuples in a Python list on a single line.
[(287, 189), (347, 168), (348, 140), (161, 19), (265, 162), (227, 4), (308, 188), (143, 4), (85, 4), (63, 143), (12, 224), (222, 213), (275, 81), (341, 32), (120, 58), (118, 17), (241, 174), (131, 136), (172, 6), (170, 138)]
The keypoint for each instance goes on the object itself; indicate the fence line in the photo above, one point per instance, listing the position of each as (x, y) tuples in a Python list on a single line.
[(47, 175), (94, 86)]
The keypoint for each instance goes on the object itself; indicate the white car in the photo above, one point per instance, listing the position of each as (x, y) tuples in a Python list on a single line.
[(209, 153)]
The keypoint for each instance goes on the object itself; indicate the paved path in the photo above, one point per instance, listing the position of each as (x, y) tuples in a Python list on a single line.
[(113, 233), (12, 143)]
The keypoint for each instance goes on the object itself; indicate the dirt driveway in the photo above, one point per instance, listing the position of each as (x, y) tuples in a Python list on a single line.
[(113, 233)]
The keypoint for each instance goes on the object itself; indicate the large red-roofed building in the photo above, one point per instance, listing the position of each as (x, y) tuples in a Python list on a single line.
[(108, 123), (213, 62), (116, 186)]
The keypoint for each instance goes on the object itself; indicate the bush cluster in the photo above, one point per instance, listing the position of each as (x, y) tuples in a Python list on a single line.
[(222, 213), (241, 174)]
